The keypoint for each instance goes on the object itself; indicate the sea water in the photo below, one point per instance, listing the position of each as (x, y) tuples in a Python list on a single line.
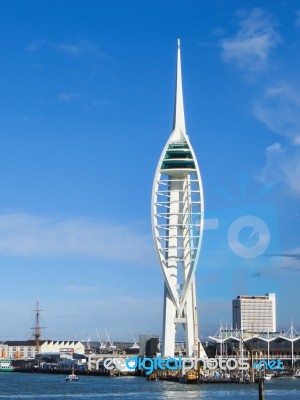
[(41, 386)]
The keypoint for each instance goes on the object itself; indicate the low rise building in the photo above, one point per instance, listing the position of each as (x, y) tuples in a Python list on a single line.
[(24, 349)]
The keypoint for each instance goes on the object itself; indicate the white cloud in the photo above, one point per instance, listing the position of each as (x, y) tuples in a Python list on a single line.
[(36, 45), (274, 148), (250, 47), (282, 167), (289, 260), (67, 97), (26, 235), (279, 110), (78, 49), (84, 47)]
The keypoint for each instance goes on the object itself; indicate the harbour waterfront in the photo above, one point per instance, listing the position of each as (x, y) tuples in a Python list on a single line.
[(42, 386)]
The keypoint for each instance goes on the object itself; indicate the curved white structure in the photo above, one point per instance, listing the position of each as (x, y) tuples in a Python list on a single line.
[(177, 224)]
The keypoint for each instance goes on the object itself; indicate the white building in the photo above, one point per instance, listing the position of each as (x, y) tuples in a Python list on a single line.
[(177, 225), (24, 349), (254, 313)]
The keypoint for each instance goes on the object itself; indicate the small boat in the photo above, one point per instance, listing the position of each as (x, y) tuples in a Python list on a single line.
[(268, 376), (297, 374), (283, 374), (152, 377), (72, 377), (190, 377)]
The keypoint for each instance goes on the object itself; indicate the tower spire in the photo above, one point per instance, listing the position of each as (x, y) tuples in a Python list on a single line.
[(179, 119), (177, 225)]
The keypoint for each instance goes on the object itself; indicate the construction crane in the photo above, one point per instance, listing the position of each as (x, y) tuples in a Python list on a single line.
[(111, 345)]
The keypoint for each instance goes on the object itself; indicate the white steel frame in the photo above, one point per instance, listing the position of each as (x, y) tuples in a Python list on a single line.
[(177, 224)]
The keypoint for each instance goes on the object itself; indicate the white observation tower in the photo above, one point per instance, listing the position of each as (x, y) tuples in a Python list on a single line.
[(177, 224)]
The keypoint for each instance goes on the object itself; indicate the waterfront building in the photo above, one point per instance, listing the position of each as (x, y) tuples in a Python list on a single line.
[(24, 349), (177, 224), (284, 346), (254, 313)]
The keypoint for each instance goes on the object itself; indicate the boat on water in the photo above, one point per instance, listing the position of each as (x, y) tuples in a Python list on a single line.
[(152, 377), (268, 376), (283, 374), (190, 377), (6, 365), (72, 377), (297, 374)]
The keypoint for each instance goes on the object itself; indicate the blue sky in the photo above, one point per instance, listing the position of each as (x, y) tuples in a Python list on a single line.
[(86, 107)]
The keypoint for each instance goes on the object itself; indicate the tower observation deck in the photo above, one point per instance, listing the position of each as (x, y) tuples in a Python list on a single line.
[(177, 225)]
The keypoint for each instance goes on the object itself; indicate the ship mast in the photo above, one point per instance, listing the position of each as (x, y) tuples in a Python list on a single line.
[(37, 328)]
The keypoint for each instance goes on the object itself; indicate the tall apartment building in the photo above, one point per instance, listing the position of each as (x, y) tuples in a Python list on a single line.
[(254, 313)]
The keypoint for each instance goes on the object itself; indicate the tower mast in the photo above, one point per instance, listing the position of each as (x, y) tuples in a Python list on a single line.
[(177, 225)]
